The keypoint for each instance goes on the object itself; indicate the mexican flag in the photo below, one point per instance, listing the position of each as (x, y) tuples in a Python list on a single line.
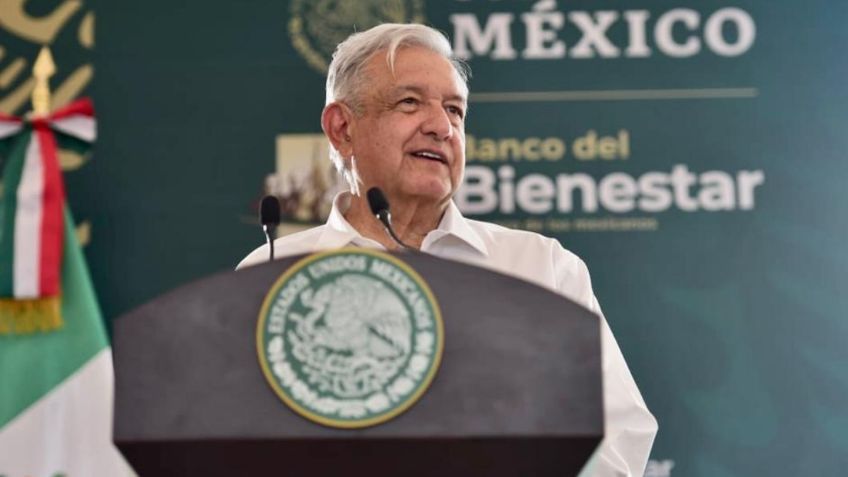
[(56, 380)]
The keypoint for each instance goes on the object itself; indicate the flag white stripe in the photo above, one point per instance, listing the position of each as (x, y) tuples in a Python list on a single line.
[(69, 430), (82, 127), (27, 249), (7, 128)]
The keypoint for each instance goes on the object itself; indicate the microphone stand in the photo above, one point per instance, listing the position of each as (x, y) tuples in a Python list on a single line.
[(270, 235), (269, 217), (380, 208)]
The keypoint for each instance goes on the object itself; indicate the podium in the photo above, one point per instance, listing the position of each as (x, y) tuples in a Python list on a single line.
[(518, 391)]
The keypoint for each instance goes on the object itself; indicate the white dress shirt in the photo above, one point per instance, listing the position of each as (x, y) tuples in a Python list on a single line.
[(629, 426)]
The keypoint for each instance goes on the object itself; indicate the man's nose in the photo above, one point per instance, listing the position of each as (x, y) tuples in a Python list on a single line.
[(437, 123)]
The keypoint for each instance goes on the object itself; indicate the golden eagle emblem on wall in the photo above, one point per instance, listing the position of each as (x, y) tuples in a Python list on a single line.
[(316, 27)]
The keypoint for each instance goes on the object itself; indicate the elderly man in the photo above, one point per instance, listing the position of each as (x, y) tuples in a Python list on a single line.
[(395, 117)]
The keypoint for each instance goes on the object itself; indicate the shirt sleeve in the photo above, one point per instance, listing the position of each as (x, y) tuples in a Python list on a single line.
[(629, 427), (259, 255)]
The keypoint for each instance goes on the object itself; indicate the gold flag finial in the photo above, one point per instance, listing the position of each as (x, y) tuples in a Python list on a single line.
[(42, 70)]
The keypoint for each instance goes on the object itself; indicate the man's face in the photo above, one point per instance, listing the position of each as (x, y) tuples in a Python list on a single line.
[(410, 138)]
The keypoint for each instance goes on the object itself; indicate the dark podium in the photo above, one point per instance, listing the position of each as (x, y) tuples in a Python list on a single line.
[(518, 392)]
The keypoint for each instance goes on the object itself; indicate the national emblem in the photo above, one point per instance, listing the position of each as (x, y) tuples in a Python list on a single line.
[(350, 338)]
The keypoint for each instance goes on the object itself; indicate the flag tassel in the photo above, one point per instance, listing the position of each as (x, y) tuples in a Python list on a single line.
[(24, 317)]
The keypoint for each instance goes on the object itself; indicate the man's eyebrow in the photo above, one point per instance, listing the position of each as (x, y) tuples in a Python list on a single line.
[(458, 97), (398, 90)]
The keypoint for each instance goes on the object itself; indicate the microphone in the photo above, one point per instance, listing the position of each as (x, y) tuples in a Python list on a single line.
[(380, 208), (269, 217)]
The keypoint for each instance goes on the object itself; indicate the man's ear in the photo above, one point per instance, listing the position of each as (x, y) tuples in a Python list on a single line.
[(336, 121)]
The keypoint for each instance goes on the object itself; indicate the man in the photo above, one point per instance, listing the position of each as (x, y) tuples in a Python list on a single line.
[(395, 118)]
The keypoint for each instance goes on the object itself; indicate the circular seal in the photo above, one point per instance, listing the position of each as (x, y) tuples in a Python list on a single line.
[(317, 26), (350, 338)]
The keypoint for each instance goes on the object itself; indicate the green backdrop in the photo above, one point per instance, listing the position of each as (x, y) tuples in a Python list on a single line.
[(713, 218)]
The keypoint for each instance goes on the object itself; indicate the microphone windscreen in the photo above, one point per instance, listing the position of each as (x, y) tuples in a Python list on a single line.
[(269, 210), (377, 201)]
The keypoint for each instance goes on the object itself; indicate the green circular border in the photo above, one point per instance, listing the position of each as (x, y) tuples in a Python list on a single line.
[(373, 421)]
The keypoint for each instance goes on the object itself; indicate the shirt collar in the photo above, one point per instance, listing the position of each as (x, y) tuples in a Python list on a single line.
[(338, 232), (453, 223)]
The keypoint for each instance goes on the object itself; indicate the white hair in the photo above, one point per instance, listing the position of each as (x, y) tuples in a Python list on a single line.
[(345, 78)]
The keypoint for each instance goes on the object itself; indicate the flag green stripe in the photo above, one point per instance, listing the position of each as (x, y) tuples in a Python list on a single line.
[(32, 365), (12, 172)]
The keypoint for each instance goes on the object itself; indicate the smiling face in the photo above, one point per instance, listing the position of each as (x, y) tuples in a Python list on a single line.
[(409, 139)]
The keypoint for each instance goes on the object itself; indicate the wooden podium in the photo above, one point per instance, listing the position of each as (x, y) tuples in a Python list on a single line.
[(518, 392)]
